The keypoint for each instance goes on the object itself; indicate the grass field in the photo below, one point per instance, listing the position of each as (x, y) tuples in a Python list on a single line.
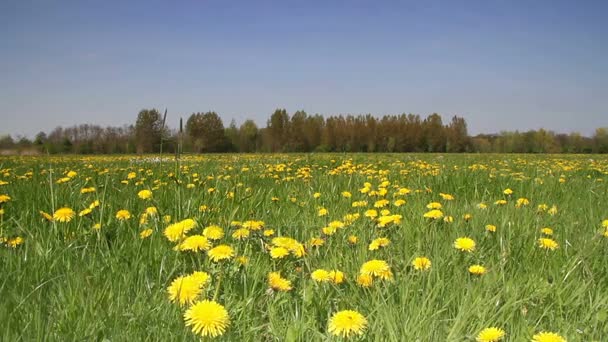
[(105, 274)]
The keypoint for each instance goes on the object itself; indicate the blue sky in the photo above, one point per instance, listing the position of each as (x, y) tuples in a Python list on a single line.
[(503, 65)]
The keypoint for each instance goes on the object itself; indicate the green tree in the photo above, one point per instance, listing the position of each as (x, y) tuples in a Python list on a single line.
[(148, 131), (206, 132)]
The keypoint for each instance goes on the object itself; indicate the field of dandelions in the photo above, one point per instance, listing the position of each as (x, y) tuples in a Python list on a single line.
[(394, 247)]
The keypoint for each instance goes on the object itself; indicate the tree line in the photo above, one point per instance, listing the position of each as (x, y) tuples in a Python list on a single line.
[(204, 132)]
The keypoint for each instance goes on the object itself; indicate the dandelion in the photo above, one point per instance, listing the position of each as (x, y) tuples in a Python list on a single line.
[(145, 233), (365, 280), (178, 230), (507, 191), (85, 212), (547, 231), (477, 270), (421, 263), (399, 202), (278, 252), (336, 277), (184, 290), (14, 242), (322, 212), (207, 318), (346, 323), (123, 215), (491, 228), (240, 234), (490, 335), (378, 243), (320, 276), (144, 194), (213, 232), (352, 239), (377, 268), (46, 216), (434, 205), (64, 215), (195, 243), (546, 243), (220, 252), (371, 213), (547, 337), (434, 214), (465, 244), (278, 283)]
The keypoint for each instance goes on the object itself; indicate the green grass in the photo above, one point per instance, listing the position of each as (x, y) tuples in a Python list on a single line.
[(68, 281)]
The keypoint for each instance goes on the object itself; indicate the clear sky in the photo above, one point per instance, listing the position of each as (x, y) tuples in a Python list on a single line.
[(503, 65)]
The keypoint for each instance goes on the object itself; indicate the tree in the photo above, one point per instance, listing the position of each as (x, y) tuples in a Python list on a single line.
[(278, 130), (148, 131), (248, 137), (206, 131), (600, 140)]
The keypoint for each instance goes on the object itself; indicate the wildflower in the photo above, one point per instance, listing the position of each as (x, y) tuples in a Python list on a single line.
[(546, 243), (151, 211), (365, 280), (522, 202), (322, 212), (491, 228), (448, 219), (240, 234), (178, 230), (490, 335), (547, 231), (123, 215), (213, 232), (352, 239), (336, 277), (547, 337), (467, 217), (552, 211), (381, 203), (508, 192), (186, 289), (253, 225), (195, 243), (278, 252), (446, 197), (268, 232), (399, 202), (434, 214), (320, 276), (482, 206), (278, 283), (377, 268), (145, 233), (317, 242), (377, 243), (46, 216), (64, 215), (144, 194), (371, 213), (316, 195), (477, 270), (346, 323), (14, 242), (421, 263), (434, 205), (85, 212), (346, 194), (207, 318), (464, 244), (500, 202), (220, 252)]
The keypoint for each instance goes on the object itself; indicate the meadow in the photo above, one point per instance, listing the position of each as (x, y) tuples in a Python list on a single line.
[(304, 247)]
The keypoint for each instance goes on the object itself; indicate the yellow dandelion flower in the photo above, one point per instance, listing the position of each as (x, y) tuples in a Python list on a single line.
[(507, 191), (399, 202), (477, 270), (464, 244), (278, 252), (376, 268), (378, 243), (268, 232), (195, 243), (320, 276), (241, 234), (64, 215), (336, 277), (184, 290), (365, 280), (123, 215), (207, 318), (46, 216), (491, 228), (278, 283), (546, 243), (547, 337), (85, 212), (14, 242), (213, 232), (145, 233), (322, 212), (421, 263), (144, 194), (347, 323), (177, 231), (220, 252), (547, 231), (433, 214), (353, 239), (4, 198), (434, 205), (371, 213), (490, 335), (317, 242)]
